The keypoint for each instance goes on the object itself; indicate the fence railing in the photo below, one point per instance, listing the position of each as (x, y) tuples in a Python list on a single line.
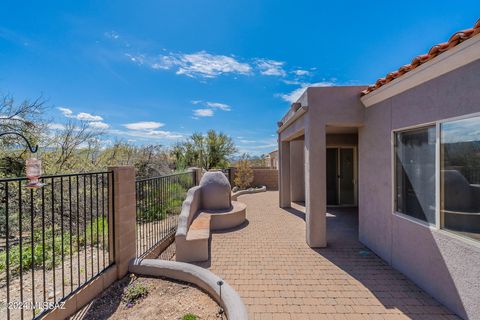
[(159, 202), (53, 240)]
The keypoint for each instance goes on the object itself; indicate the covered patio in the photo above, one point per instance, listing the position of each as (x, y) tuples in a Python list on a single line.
[(279, 276)]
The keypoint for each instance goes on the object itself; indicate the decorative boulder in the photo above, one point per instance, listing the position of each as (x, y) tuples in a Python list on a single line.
[(216, 191)]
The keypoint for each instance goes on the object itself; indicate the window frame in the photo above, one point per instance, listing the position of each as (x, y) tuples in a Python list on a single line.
[(394, 173), (437, 226)]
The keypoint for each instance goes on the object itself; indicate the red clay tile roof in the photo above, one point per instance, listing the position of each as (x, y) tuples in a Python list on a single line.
[(454, 40)]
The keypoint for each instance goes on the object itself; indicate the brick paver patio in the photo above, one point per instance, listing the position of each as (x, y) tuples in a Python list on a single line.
[(280, 277)]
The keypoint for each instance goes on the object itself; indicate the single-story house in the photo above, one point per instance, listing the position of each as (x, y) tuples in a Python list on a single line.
[(406, 152), (273, 157)]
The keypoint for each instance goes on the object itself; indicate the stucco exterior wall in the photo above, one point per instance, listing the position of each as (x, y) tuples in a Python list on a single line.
[(297, 170), (445, 266), (328, 106), (263, 177), (335, 139)]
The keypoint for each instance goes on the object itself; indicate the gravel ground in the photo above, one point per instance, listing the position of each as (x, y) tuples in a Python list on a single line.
[(34, 281), (165, 300)]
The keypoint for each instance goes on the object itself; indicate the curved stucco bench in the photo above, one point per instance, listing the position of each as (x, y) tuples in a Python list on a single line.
[(193, 230), (207, 207), (230, 301), (227, 219)]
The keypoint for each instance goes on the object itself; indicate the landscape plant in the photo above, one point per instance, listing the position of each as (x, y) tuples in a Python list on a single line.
[(208, 151), (189, 316), (243, 174), (134, 292), (49, 244)]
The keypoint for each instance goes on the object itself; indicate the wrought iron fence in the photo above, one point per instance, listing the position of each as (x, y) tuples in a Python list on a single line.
[(53, 240), (159, 202)]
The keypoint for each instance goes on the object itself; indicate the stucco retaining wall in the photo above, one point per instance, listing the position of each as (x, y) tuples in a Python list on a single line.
[(262, 177), (229, 299)]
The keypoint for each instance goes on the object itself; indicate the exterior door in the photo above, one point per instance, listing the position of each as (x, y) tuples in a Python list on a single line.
[(332, 177), (346, 176), (341, 176)]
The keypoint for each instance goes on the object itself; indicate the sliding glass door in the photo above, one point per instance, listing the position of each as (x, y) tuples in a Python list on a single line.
[(341, 176)]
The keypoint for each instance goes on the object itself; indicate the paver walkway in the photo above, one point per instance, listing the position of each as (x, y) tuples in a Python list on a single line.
[(280, 277)]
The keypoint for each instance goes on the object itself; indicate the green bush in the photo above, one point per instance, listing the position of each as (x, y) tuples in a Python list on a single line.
[(135, 292), (163, 204), (94, 230), (22, 259), (189, 316), (52, 247)]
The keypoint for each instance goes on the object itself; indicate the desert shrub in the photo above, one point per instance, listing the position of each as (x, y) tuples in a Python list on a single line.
[(134, 293), (50, 245), (23, 259), (165, 201), (243, 175), (97, 229)]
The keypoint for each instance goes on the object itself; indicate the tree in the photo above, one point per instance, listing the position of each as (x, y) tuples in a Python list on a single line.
[(73, 147), (205, 151), (25, 118)]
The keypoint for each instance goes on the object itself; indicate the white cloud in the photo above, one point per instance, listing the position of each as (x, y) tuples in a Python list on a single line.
[(297, 93), (206, 65), (270, 67), (144, 125), (203, 112), (66, 111), (292, 82), (247, 141), (257, 146), (88, 117), (98, 125), (200, 64), (56, 126), (147, 135), (217, 105), (300, 72), (212, 106), (112, 35), (164, 134), (83, 116)]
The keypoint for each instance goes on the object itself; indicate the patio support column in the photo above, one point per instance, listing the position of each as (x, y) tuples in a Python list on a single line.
[(297, 170), (284, 173), (315, 185), (123, 238)]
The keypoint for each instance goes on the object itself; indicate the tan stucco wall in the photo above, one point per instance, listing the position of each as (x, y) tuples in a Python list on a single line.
[(344, 139), (297, 169), (443, 265), (263, 177), (332, 106)]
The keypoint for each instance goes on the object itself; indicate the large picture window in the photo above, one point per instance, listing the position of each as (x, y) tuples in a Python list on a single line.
[(415, 173), (460, 177)]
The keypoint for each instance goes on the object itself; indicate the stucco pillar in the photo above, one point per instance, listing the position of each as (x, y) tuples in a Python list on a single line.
[(297, 170), (124, 204), (198, 174), (315, 185), (284, 173)]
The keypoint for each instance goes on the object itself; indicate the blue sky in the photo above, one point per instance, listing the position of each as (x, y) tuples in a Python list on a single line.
[(157, 71)]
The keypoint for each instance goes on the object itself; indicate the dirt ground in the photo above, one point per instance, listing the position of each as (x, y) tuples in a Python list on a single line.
[(165, 300)]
